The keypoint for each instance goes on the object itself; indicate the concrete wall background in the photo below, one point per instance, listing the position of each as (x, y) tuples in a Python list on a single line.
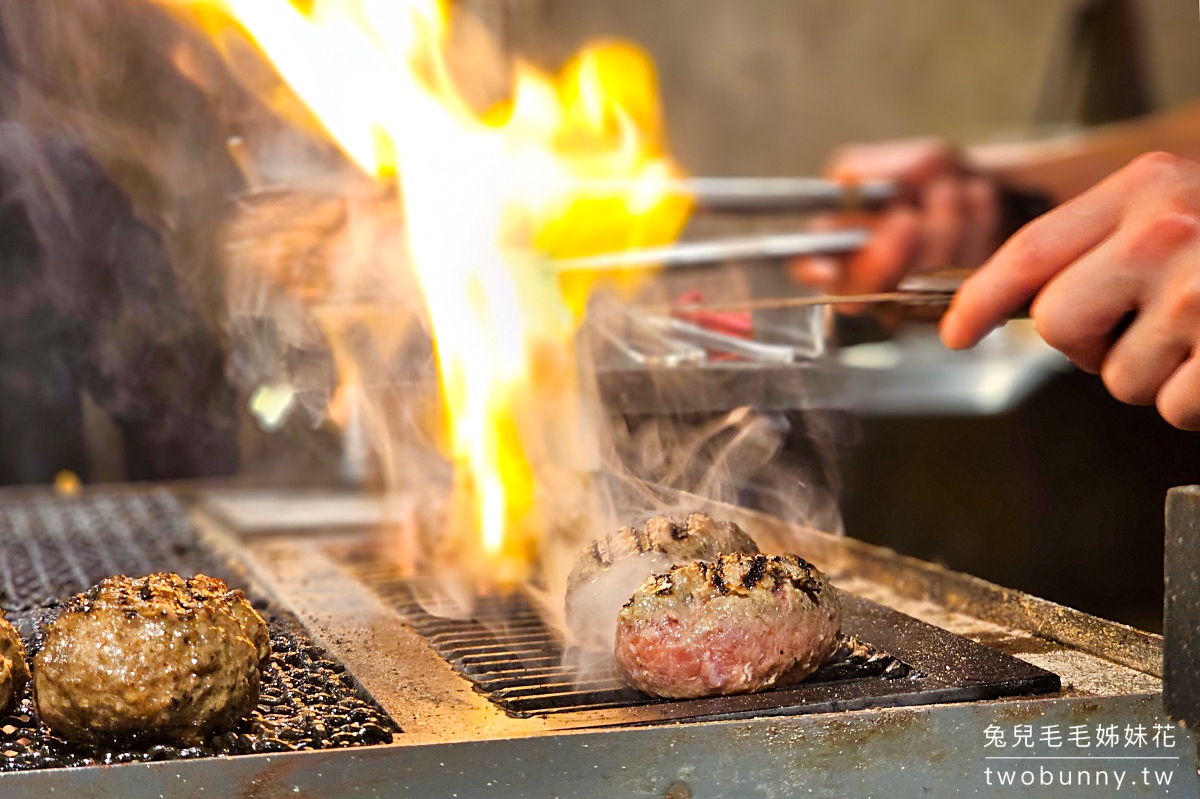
[(771, 86), (1173, 39)]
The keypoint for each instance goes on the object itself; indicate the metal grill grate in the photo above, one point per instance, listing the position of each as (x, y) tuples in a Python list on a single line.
[(886, 658), (53, 548)]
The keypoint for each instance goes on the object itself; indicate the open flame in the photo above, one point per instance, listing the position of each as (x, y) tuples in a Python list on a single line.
[(570, 165)]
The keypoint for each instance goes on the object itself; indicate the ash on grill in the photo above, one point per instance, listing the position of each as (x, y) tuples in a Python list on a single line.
[(50, 549)]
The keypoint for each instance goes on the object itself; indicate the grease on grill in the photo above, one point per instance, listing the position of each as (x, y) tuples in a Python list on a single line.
[(53, 548)]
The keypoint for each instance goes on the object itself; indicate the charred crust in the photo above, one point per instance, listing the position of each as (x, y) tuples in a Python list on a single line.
[(717, 577), (799, 573), (754, 574), (680, 532), (159, 594), (641, 540), (664, 584), (810, 587)]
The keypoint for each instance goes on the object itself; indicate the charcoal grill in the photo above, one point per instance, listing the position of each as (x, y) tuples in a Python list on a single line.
[(484, 706), (53, 548)]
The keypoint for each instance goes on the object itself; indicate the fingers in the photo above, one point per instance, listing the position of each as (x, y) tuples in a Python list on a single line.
[(1046, 246), (912, 162), (944, 224), (1143, 359), (879, 266), (959, 224), (820, 272), (1079, 310), (826, 272), (981, 232), (1179, 399), (944, 216), (1020, 269), (887, 258)]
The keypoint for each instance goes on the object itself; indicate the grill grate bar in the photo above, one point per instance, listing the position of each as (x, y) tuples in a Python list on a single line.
[(486, 653), (51, 523), (568, 700), (469, 639), (486, 666)]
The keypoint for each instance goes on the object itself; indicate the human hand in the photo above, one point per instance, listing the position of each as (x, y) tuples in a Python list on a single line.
[(945, 216), (1128, 249)]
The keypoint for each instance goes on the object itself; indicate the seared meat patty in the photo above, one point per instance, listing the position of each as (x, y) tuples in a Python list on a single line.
[(611, 568), (252, 624), (13, 671), (732, 626), (159, 658)]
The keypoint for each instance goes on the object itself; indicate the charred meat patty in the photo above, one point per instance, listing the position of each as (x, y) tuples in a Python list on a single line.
[(735, 625), (158, 658), (13, 671), (611, 568)]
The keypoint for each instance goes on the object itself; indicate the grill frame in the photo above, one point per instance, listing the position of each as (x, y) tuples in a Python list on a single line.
[(456, 741)]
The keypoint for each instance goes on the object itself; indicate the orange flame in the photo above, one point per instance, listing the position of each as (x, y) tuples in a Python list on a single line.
[(571, 165)]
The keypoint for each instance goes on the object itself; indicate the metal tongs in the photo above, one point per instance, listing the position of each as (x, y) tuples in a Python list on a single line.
[(932, 289)]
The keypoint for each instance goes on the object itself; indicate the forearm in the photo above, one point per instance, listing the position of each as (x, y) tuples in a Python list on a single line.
[(1067, 166)]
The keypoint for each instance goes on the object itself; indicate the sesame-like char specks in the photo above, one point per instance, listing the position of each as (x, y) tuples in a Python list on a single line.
[(757, 570), (611, 567), (733, 625), (717, 576)]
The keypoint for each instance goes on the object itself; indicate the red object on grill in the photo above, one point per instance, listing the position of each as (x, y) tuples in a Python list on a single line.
[(733, 323)]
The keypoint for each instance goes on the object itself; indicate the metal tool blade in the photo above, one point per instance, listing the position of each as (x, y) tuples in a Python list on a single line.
[(700, 253), (741, 195), (932, 288)]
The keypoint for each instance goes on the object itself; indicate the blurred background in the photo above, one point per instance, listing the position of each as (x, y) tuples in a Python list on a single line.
[(1060, 496)]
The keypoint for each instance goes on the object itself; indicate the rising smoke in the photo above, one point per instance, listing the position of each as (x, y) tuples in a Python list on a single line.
[(301, 262)]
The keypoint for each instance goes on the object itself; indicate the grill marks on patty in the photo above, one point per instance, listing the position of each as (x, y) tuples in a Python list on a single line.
[(697, 537), (611, 568), (771, 572), (170, 593), (736, 624)]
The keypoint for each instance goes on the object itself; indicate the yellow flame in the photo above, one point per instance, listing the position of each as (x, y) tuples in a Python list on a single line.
[(571, 165)]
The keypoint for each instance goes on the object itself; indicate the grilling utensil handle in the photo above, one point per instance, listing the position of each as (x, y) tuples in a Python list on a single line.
[(786, 195)]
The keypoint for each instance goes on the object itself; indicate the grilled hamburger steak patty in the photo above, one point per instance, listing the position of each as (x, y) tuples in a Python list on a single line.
[(159, 658), (733, 626), (13, 671), (611, 568)]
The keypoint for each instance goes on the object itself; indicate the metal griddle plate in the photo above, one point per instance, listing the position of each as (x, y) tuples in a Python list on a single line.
[(889, 660), (53, 548)]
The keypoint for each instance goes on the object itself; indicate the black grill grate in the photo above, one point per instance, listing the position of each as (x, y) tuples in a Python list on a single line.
[(53, 548), (509, 654)]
